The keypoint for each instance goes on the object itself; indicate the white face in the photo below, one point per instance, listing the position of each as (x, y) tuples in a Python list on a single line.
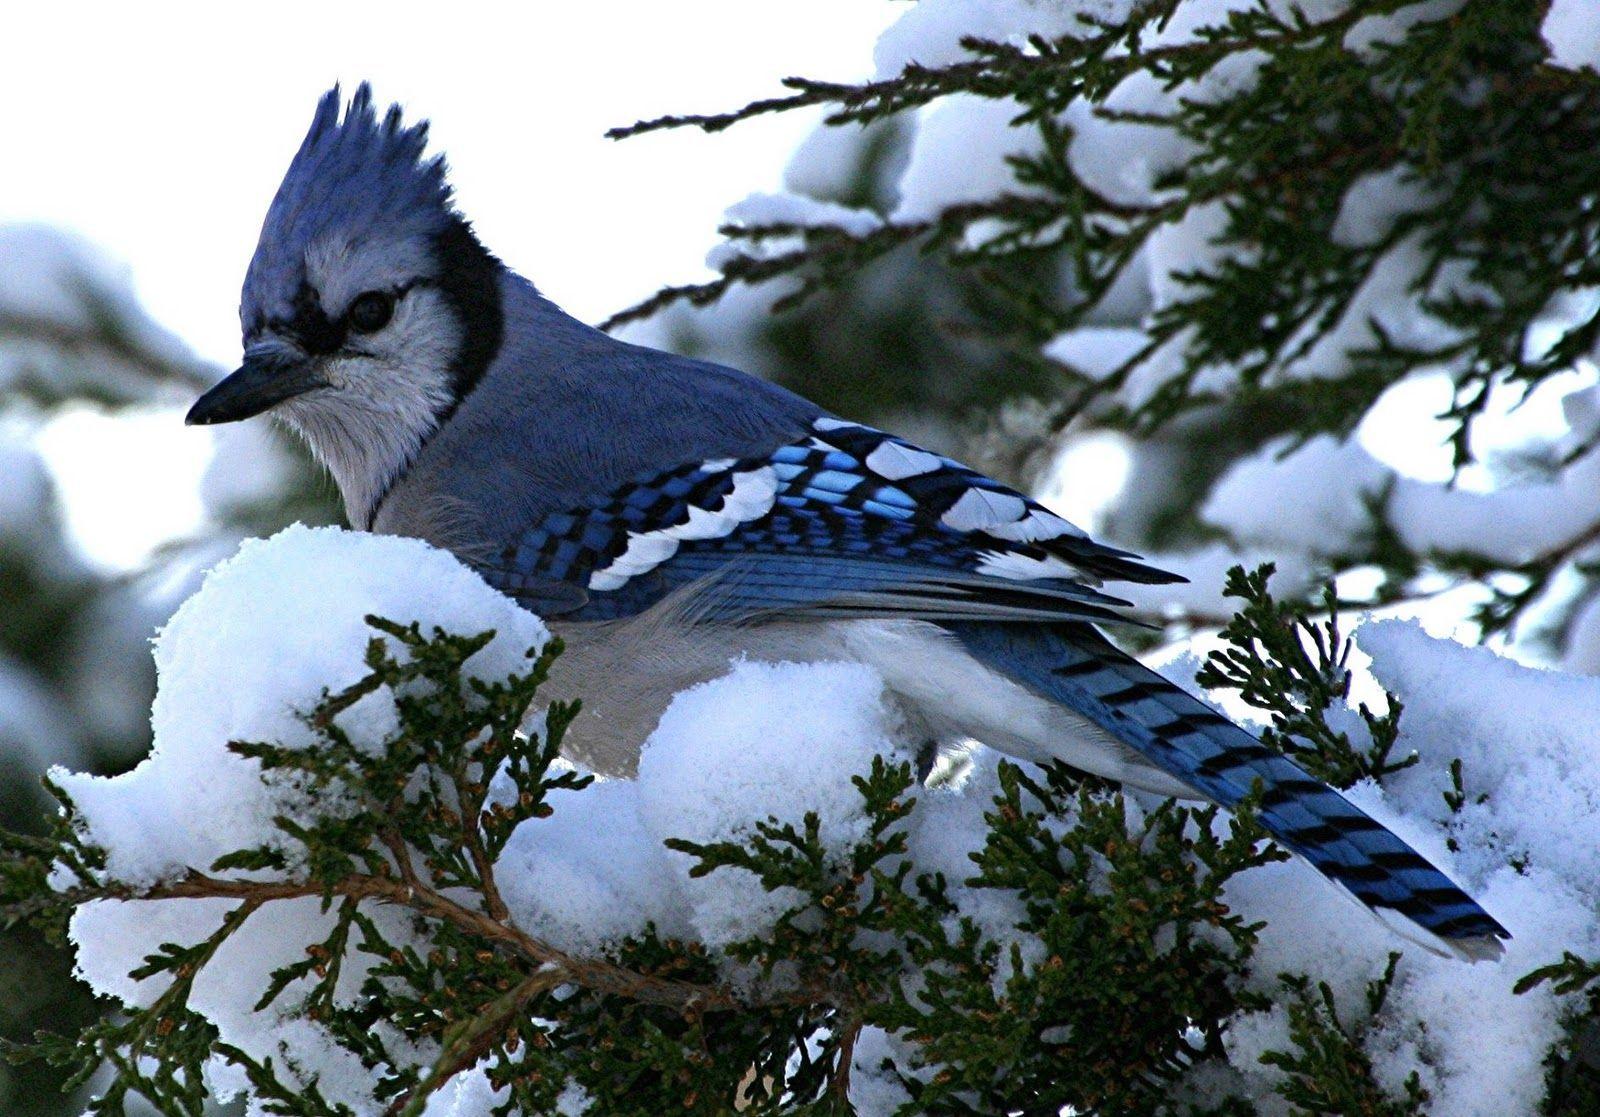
[(385, 386)]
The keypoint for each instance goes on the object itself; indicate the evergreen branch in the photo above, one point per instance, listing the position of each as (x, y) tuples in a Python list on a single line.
[(1126, 916), (592, 973), (1093, 62), (1280, 660), (473, 1038), (1329, 1072), (107, 337)]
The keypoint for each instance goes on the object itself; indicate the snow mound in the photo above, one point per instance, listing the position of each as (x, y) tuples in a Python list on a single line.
[(273, 626), (268, 630), (591, 873), (764, 741), (250, 652)]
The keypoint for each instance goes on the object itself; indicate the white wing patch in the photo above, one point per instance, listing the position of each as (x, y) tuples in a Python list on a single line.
[(1035, 526), (1024, 568), (751, 498), (827, 423), (1004, 516), (895, 461), (983, 510)]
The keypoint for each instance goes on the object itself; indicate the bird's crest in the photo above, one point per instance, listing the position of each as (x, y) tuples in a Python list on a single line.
[(353, 179)]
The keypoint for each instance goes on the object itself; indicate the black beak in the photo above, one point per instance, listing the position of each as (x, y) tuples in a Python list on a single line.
[(261, 382)]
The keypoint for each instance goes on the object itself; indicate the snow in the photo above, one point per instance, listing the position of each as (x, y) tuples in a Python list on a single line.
[(466, 1095), (796, 209), (1391, 27), (268, 630), (1525, 738), (829, 161), (46, 274), (1122, 158), (272, 626), (874, 1091), (766, 741), (1374, 203), (591, 873), (1329, 479), (930, 33), (786, 209), (111, 672), (947, 827), (1573, 34), (1096, 351), (1326, 514), (1206, 569), (959, 154)]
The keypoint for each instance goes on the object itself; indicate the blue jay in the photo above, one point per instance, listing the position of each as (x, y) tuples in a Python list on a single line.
[(666, 515)]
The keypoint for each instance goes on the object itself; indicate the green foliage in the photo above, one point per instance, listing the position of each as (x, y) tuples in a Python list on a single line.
[(1278, 119), (1297, 669), (1088, 959), (1131, 943), (905, 338), (1573, 1065), (1328, 1073), (74, 635), (1414, 104)]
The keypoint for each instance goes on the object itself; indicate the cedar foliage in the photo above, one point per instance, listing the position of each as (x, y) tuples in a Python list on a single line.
[(1112, 986), (1495, 255)]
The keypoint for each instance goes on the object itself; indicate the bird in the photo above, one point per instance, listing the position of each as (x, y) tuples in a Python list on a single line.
[(666, 516)]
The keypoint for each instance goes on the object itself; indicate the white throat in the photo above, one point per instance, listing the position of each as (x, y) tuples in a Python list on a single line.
[(366, 442), (380, 407)]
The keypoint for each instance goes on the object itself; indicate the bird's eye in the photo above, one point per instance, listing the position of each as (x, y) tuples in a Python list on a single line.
[(370, 312)]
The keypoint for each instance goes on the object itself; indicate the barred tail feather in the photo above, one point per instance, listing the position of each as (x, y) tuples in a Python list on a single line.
[(1074, 665)]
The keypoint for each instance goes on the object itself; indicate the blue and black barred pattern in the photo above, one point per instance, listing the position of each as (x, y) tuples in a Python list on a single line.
[(1077, 667), (571, 545), (848, 521)]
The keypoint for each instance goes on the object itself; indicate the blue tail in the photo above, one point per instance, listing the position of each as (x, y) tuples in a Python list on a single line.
[(1074, 665)]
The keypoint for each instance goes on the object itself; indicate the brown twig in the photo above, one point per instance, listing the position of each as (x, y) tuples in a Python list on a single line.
[(847, 1052), (591, 973), (471, 799)]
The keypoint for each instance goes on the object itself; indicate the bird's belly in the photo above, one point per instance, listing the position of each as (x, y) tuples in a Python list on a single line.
[(627, 672)]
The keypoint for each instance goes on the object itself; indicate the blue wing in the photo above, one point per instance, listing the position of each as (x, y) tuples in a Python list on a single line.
[(845, 521)]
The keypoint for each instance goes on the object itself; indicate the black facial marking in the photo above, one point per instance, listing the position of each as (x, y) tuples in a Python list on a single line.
[(315, 332), (320, 335), (469, 280)]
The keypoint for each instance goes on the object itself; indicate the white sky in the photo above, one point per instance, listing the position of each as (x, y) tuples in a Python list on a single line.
[(160, 132)]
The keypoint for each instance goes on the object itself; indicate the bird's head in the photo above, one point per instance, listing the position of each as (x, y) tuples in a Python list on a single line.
[(369, 309)]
